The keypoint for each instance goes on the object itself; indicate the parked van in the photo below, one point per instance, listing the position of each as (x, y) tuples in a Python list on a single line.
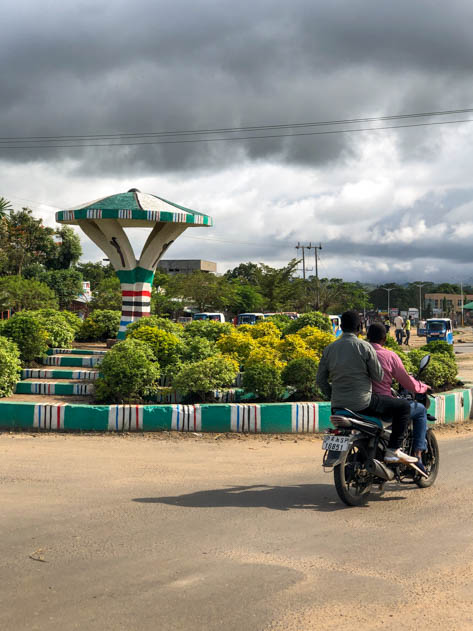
[(250, 318), (439, 329), (218, 317)]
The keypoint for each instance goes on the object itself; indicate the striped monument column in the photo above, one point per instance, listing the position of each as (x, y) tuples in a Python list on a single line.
[(136, 285)]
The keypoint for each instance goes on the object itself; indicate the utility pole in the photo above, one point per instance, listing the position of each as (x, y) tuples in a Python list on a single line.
[(420, 285), (389, 290), (461, 289), (303, 248)]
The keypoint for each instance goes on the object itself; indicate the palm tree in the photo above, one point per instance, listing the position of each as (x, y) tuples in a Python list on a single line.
[(5, 206)]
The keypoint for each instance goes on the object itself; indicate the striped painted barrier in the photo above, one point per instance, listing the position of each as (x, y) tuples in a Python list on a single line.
[(59, 360), (35, 373), (48, 387), (74, 351), (266, 418)]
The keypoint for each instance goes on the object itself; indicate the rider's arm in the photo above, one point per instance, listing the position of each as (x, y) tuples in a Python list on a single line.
[(375, 370), (406, 381), (322, 377)]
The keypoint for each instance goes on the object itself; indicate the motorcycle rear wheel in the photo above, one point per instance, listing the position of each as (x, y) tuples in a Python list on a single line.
[(431, 460), (352, 480)]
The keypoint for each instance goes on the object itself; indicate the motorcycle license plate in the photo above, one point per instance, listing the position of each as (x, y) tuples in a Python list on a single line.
[(336, 443)]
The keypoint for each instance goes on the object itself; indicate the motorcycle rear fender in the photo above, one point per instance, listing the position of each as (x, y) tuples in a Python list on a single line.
[(332, 458)]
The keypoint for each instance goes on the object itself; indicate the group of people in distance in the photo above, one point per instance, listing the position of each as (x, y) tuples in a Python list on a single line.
[(401, 329), (356, 374)]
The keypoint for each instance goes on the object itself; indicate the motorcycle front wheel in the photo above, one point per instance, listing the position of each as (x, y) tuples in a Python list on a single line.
[(431, 460), (352, 480)]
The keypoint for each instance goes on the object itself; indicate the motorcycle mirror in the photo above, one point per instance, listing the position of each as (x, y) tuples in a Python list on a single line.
[(424, 362)]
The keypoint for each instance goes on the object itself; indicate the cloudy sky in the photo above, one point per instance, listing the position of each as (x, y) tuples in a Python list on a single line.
[(386, 205)]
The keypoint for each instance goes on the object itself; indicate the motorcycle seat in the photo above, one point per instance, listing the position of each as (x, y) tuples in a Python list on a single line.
[(361, 417)]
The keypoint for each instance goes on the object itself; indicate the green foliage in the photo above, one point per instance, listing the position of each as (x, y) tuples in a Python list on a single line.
[(60, 333), (245, 298), (73, 320), (156, 321), (99, 326), (28, 333), (316, 339), (438, 346), (129, 373), (107, 294), (210, 329), (294, 347), (442, 369), (166, 347), (18, 293), (67, 252), (197, 348), (300, 374), (10, 366), (312, 318), (281, 321), (202, 377), (66, 283), (263, 378), (94, 273)]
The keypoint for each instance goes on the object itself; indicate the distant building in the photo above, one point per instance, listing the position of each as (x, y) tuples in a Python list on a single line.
[(446, 304), (187, 266)]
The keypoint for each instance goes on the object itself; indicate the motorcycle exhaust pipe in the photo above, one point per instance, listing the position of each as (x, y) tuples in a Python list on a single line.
[(380, 470)]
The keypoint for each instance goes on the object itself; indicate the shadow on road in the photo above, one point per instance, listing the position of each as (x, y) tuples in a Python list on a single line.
[(318, 497)]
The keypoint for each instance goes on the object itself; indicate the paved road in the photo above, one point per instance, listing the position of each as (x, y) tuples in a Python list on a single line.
[(115, 533), (463, 348)]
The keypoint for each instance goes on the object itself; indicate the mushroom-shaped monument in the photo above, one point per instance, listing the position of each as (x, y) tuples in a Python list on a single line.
[(104, 221)]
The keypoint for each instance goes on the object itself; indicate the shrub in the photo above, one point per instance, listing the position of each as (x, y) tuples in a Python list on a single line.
[(281, 321), (260, 330), (99, 326), (60, 333), (238, 345), (27, 331), (300, 374), (202, 377), (210, 329), (10, 366), (263, 378), (166, 346), (72, 319), (265, 354), (155, 321), (129, 372), (438, 346), (197, 348), (312, 318), (294, 347), (441, 371), (316, 339)]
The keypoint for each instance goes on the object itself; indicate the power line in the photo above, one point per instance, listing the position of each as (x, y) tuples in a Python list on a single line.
[(225, 139), (233, 129)]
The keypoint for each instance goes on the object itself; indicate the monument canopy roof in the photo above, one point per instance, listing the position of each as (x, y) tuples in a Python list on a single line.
[(133, 209)]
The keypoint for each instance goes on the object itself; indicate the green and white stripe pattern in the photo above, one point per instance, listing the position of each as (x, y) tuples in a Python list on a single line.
[(86, 362), (266, 418), (132, 209)]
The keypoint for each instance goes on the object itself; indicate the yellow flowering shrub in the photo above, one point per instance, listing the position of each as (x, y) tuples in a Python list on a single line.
[(237, 344), (265, 355), (262, 329), (317, 340), (294, 347)]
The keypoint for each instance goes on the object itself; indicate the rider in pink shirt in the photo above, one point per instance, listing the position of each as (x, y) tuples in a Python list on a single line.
[(393, 368)]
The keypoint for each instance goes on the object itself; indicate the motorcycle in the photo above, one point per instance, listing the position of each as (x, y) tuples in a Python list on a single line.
[(355, 449)]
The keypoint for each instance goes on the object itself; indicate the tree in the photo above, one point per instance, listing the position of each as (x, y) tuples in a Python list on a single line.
[(18, 293), (250, 272), (67, 252), (67, 283), (207, 291), (246, 298), (94, 273), (5, 207), (25, 240), (107, 295), (276, 286)]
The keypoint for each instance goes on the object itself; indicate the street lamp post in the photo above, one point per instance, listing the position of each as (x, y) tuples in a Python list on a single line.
[(420, 285), (389, 290)]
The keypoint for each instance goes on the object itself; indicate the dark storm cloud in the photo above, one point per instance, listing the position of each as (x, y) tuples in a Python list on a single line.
[(88, 67)]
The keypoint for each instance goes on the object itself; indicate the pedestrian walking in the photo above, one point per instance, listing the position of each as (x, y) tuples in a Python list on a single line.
[(399, 325), (407, 330), (387, 324)]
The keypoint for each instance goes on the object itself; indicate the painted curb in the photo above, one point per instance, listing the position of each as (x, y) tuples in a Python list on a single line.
[(39, 373), (50, 387), (266, 418), (59, 360), (74, 351)]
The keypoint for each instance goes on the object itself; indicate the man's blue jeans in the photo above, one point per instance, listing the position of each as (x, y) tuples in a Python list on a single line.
[(419, 426)]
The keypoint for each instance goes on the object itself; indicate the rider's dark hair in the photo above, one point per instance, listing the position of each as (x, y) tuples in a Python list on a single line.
[(376, 332), (350, 322)]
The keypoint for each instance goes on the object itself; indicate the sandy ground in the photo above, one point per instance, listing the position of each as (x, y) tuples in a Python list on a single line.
[(174, 532)]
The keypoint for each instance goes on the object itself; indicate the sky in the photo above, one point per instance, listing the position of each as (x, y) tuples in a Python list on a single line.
[(386, 205)]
